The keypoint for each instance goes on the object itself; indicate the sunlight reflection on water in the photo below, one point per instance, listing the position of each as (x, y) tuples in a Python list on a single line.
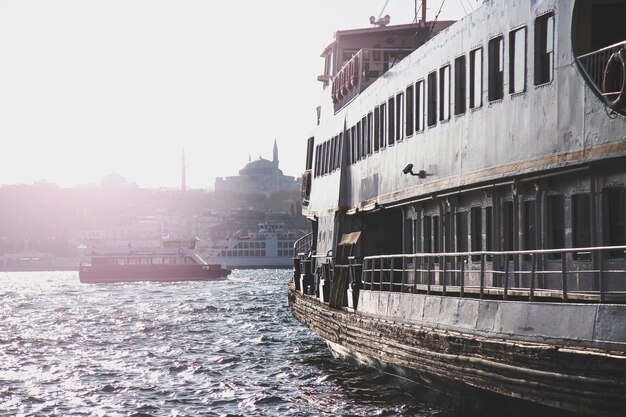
[(189, 348)]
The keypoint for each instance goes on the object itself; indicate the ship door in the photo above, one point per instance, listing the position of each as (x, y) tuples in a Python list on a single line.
[(341, 277)]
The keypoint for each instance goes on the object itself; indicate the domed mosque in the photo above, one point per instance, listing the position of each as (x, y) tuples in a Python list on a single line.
[(259, 177)]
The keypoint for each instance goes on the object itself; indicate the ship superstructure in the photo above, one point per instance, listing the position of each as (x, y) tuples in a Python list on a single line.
[(466, 187)]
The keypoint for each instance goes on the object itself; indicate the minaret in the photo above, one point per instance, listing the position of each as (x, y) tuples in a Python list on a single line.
[(276, 171), (183, 185)]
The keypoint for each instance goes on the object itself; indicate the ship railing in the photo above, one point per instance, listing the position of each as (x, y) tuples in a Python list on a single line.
[(594, 65), (361, 70), (303, 245), (596, 274)]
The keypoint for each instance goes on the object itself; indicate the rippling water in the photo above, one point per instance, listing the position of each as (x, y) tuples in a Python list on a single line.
[(224, 348)]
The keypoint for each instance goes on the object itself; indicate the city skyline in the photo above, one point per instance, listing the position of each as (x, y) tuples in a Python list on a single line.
[(89, 89)]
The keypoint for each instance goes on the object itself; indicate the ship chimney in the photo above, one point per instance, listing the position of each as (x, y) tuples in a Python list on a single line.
[(423, 11)]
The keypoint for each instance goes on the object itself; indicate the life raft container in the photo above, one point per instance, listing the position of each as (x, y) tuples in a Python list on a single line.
[(614, 80)]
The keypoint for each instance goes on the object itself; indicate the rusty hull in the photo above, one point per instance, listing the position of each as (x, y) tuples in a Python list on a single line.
[(589, 381)]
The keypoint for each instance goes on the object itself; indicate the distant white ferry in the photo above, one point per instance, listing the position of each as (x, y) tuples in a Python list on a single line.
[(270, 247)]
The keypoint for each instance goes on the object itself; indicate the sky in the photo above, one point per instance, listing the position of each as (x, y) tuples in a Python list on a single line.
[(90, 88)]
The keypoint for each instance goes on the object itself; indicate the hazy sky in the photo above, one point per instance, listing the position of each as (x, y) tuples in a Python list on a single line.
[(94, 87)]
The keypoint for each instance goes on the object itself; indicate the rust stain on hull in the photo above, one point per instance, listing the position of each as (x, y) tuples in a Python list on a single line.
[(587, 381)]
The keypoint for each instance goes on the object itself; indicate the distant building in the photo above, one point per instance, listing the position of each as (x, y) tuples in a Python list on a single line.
[(259, 177)]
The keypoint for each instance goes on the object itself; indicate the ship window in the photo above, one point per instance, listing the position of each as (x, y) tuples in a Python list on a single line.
[(419, 106), (228, 253), (399, 116), (328, 155), (476, 78), (461, 231), (376, 129), (555, 213), (408, 110), (339, 150), (317, 160), (332, 153), (581, 226), (476, 231), (408, 236), (416, 236), (517, 58), (325, 157), (544, 48), (121, 261), (507, 226), (496, 68), (614, 213), (459, 85), (448, 232), (353, 142), (383, 124), (309, 153), (364, 134), (427, 245), (157, 260), (133, 261), (369, 136), (529, 238), (436, 234), (321, 159), (432, 98), (349, 145), (391, 126), (359, 144), (444, 93), (488, 229)]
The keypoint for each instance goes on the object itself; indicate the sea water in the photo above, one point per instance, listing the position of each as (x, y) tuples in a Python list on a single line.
[(212, 348)]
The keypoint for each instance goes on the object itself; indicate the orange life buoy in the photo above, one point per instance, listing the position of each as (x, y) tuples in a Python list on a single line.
[(354, 78), (349, 74), (346, 76), (342, 84), (614, 80)]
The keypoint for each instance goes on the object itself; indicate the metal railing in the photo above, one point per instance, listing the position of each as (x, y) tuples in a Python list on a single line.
[(302, 245), (365, 67), (594, 64), (578, 274)]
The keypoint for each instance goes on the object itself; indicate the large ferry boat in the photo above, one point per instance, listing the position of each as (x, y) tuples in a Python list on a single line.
[(271, 247), (176, 259), (466, 188)]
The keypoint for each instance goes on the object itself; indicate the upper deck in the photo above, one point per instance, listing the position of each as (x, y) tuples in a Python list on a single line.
[(498, 95)]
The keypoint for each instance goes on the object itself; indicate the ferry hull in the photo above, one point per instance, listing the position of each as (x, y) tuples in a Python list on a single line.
[(163, 273), (584, 380)]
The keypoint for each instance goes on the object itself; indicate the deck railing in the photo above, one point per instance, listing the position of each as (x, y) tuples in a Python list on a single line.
[(303, 245), (365, 67), (580, 274), (594, 63)]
